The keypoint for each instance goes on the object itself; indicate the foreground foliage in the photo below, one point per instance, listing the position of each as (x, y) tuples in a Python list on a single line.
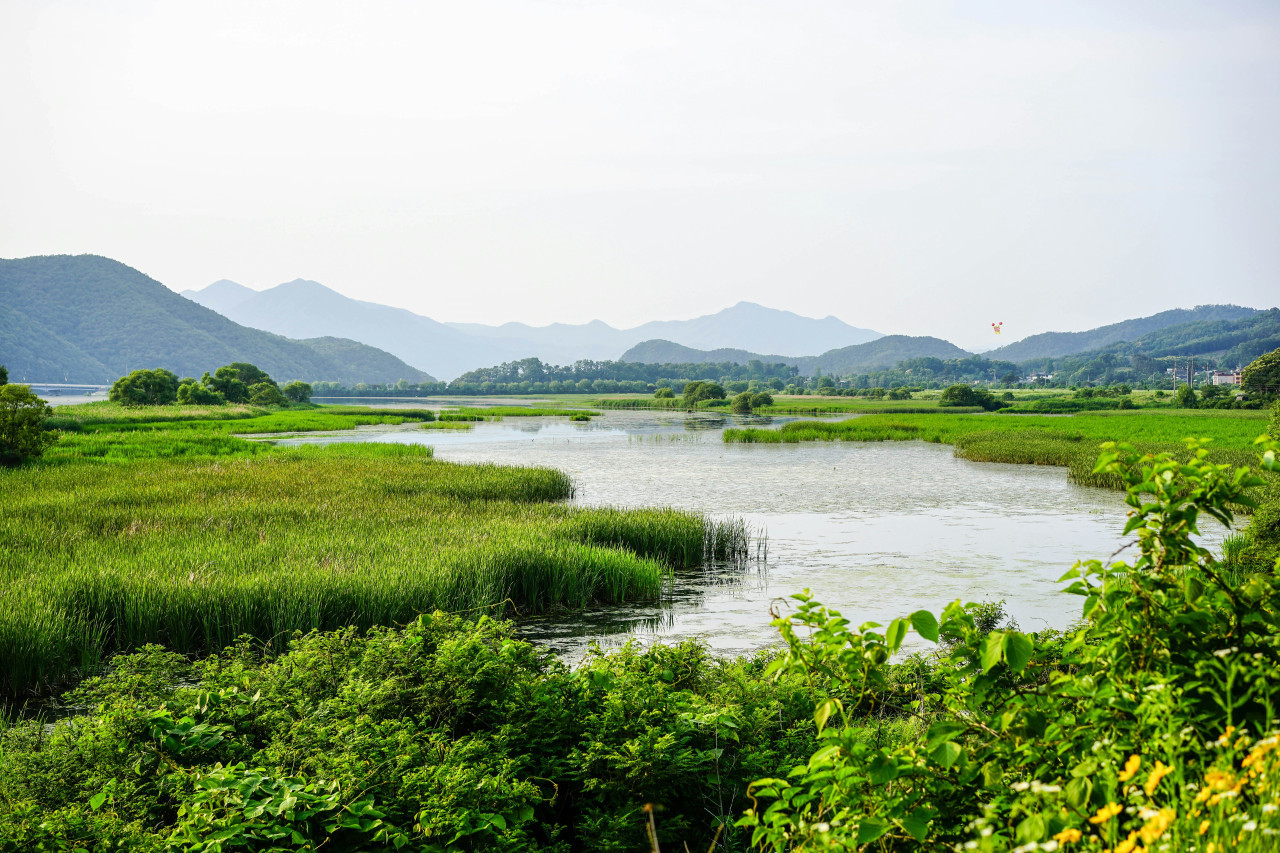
[(444, 735), (1153, 726)]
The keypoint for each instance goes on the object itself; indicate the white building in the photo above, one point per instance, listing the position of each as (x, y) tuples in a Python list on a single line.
[(1225, 377)]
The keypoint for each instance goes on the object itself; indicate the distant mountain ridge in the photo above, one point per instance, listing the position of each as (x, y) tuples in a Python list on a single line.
[(90, 319), (879, 354), (1057, 344), (303, 308)]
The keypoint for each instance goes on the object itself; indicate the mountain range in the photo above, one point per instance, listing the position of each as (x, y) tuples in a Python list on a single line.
[(879, 354), (304, 309), (1056, 344), (90, 319)]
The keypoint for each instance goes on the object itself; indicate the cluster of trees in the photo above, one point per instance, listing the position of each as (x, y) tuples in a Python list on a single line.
[(967, 395), (22, 415), (238, 382)]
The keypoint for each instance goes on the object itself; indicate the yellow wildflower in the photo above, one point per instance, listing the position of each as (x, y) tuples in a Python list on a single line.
[(1068, 836), (1129, 845), (1226, 736), (1158, 772), (1204, 827), (1156, 824), (1219, 780), (1106, 813), (1210, 847), (1130, 767)]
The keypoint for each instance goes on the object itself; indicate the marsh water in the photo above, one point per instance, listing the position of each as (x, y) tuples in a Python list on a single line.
[(876, 530)]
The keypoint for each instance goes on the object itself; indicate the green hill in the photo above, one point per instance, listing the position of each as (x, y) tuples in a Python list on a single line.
[(1224, 344), (1058, 344), (880, 354), (85, 318), (860, 358)]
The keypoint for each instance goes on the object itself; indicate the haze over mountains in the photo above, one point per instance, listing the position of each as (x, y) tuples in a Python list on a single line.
[(89, 319), (304, 309)]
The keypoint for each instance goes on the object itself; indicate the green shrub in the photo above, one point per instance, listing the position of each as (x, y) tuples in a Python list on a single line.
[(22, 431)]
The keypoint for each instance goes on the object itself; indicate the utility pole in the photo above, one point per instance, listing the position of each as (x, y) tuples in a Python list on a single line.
[(1191, 367)]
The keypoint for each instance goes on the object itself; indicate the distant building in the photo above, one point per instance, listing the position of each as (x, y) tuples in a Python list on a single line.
[(1225, 377), (1038, 377)]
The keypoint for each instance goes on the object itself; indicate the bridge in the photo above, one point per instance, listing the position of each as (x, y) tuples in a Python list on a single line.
[(55, 389)]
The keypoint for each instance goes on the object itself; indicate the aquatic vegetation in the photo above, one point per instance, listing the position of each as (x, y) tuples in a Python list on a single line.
[(194, 537), (1071, 441)]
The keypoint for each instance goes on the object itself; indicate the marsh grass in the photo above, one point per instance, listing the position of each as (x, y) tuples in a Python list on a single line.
[(1070, 441), (192, 536), (102, 412)]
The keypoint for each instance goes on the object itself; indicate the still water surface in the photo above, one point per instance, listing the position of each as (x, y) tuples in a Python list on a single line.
[(876, 530)]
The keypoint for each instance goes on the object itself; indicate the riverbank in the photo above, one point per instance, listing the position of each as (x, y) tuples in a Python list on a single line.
[(182, 534)]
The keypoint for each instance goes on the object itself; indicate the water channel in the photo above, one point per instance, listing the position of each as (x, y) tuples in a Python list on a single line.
[(876, 530)]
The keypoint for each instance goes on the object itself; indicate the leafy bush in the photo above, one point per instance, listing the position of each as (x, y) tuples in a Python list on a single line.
[(1152, 724), (157, 387), (445, 734), (698, 391), (1263, 374), (1185, 398), (664, 394), (965, 395), (266, 394), (297, 391), (22, 432), (192, 393)]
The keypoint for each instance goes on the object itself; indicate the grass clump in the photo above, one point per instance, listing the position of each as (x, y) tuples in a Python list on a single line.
[(195, 537), (1067, 441)]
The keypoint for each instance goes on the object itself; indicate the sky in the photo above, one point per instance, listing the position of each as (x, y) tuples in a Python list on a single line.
[(914, 167)]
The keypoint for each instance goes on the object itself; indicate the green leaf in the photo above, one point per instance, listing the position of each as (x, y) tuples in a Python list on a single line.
[(917, 824), (1078, 792), (96, 801), (947, 753), (926, 625), (894, 635), (943, 730), (871, 828), (823, 712), (992, 650), (1018, 650)]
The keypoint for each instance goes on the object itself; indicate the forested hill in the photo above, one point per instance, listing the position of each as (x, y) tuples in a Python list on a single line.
[(1229, 343), (874, 355), (881, 353), (669, 352), (86, 318), (1057, 344)]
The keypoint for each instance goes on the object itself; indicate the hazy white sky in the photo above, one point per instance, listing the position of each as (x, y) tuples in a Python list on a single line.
[(913, 167)]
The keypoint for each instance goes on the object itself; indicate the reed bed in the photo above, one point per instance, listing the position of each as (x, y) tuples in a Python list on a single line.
[(81, 415), (1070, 441), (193, 551)]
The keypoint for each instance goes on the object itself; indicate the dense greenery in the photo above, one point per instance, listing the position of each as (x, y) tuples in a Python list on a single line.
[(157, 387), (92, 319), (22, 425), (442, 735), (1152, 726), (1153, 723), (1263, 374), (196, 536)]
